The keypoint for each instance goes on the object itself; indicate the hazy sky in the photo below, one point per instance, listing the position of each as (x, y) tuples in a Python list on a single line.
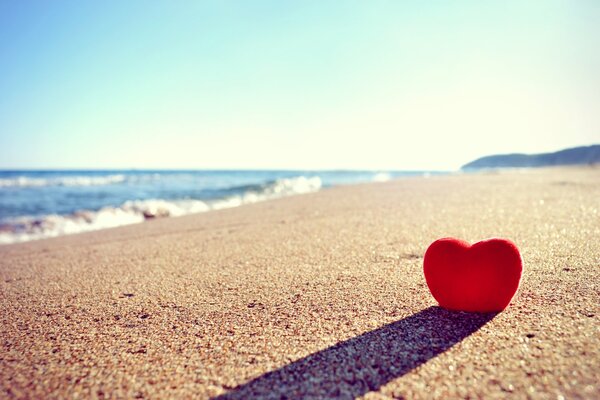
[(292, 84)]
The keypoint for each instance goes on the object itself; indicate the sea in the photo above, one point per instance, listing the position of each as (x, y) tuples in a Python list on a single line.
[(41, 204)]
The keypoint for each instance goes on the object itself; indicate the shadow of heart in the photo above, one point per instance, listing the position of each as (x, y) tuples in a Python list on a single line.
[(366, 362)]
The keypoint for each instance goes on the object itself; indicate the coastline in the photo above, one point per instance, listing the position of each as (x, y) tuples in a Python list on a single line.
[(208, 304), (82, 201)]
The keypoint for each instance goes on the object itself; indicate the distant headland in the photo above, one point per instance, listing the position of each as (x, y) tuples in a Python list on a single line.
[(572, 156)]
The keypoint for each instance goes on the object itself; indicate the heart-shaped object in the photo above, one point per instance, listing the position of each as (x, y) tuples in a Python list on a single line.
[(483, 277)]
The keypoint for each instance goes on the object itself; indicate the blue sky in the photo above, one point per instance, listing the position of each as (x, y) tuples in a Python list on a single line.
[(306, 84)]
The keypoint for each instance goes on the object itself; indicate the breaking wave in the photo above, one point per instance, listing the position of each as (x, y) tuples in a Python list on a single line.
[(382, 177), (23, 229), (23, 181)]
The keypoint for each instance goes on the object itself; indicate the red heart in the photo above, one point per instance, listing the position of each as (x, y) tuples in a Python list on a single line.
[(479, 278)]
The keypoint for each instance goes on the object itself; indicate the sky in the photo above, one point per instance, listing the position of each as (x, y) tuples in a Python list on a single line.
[(402, 85)]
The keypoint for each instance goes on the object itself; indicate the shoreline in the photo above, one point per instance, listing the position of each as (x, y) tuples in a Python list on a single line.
[(327, 286), (134, 211), (139, 211), (134, 197)]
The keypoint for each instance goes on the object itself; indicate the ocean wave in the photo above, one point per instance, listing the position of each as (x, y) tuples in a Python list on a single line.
[(24, 181), (381, 177), (135, 211)]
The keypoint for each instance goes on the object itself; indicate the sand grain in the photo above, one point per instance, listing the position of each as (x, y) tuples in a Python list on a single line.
[(325, 291)]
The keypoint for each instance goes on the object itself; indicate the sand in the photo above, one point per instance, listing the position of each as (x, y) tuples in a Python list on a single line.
[(317, 296)]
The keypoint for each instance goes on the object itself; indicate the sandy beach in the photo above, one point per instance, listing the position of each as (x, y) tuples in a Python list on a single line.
[(317, 296)]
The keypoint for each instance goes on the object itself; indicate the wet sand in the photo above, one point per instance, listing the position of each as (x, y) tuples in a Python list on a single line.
[(319, 295)]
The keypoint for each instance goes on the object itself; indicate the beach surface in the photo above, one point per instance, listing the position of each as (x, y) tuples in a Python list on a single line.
[(317, 296)]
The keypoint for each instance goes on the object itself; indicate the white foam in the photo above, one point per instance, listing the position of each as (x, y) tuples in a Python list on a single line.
[(23, 181), (381, 177), (135, 211), (273, 190)]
